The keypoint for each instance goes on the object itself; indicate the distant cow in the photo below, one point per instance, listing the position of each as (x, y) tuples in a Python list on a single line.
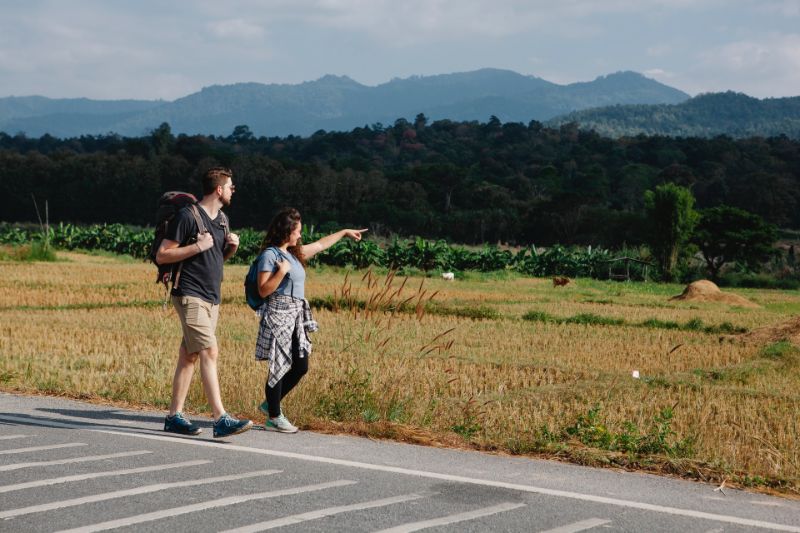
[(560, 281), (449, 276)]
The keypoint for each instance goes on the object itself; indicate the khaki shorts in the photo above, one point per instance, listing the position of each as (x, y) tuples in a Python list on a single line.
[(198, 322)]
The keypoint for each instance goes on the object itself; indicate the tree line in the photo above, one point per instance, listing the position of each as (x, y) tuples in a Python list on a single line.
[(467, 182)]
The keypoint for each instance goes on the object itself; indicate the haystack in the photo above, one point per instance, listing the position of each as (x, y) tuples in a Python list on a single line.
[(707, 291)]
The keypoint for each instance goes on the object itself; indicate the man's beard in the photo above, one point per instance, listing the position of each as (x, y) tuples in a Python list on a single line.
[(225, 201)]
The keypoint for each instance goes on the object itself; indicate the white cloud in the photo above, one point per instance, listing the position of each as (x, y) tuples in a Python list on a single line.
[(785, 8), (14, 63), (656, 73), (405, 23), (769, 66), (236, 28), (773, 54), (149, 48), (658, 50)]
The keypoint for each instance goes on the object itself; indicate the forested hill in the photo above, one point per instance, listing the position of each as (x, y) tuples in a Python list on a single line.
[(707, 115), (464, 181), (333, 103)]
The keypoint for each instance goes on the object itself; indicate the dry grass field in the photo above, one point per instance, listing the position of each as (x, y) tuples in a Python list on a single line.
[(458, 365)]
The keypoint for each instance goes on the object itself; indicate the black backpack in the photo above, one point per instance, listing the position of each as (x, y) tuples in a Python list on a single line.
[(168, 206)]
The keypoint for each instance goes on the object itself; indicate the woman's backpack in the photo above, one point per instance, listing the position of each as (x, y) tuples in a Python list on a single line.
[(254, 300)]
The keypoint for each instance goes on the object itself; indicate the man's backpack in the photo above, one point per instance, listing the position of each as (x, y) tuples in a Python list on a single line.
[(168, 206)]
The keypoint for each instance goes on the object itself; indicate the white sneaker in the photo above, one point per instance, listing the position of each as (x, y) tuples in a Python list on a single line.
[(280, 423)]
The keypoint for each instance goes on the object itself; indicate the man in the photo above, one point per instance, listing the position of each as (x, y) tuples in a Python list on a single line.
[(196, 298)]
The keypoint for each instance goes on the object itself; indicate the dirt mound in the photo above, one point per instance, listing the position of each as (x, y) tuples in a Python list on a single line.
[(789, 330), (707, 291)]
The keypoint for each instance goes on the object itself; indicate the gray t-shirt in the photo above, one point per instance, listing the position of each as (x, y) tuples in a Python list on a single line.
[(294, 282)]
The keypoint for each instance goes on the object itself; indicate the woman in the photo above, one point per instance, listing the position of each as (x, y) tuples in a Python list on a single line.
[(285, 317)]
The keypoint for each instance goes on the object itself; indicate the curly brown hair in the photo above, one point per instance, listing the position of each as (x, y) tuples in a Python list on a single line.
[(279, 230)]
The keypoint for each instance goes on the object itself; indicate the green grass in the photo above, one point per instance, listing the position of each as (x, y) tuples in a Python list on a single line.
[(694, 324), (122, 258), (590, 319), (84, 306), (478, 312), (780, 351)]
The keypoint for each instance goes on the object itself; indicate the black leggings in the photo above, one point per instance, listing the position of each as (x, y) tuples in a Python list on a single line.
[(287, 382)]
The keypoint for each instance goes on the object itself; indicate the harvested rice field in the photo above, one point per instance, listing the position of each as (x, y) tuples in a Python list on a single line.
[(601, 373)]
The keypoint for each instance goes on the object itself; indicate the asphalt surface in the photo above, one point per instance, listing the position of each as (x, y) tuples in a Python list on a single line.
[(71, 466)]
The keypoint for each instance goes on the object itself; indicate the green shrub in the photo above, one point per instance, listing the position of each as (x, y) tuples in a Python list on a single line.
[(481, 312), (349, 399), (695, 324), (595, 320), (36, 251), (659, 438), (758, 281), (660, 324), (410, 256), (539, 316)]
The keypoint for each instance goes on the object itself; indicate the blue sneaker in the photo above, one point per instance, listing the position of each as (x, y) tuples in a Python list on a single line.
[(226, 426), (178, 423)]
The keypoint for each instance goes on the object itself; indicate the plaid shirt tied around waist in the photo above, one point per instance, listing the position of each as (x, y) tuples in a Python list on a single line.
[(280, 317)]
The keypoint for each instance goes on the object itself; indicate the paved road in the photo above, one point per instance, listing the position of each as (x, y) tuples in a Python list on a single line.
[(70, 466)]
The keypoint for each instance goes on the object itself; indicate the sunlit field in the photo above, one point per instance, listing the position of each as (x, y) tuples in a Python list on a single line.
[(493, 362)]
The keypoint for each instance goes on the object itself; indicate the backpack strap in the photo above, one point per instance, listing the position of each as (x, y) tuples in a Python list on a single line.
[(224, 223), (201, 228), (283, 257)]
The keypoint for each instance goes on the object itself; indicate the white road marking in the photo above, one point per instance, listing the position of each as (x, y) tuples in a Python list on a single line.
[(769, 504), (9, 437), (330, 511), (42, 448), (202, 506), (146, 489), (94, 475), (583, 525), (86, 459), (677, 511), (453, 518)]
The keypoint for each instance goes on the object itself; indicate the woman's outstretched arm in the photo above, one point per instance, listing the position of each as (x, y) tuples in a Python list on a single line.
[(309, 250)]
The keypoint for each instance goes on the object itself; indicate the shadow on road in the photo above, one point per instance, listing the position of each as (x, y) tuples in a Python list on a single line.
[(107, 414), (105, 420)]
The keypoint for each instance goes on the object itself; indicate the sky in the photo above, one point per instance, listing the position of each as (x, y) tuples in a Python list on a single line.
[(156, 49)]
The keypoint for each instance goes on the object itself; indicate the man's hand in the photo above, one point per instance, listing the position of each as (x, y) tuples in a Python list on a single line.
[(204, 241), (232, 241)]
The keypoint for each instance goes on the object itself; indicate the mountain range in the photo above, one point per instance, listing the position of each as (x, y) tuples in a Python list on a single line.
[(334, 103), (707, 115)]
